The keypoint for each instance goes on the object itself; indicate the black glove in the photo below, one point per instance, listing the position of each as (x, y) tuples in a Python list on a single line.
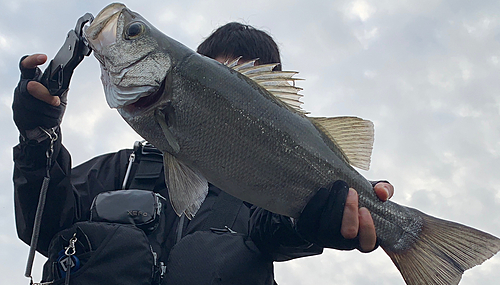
[(321, 219), (29, 112)]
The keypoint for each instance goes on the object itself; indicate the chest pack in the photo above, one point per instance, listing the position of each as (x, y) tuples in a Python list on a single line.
[(125, 239), (122, 241)]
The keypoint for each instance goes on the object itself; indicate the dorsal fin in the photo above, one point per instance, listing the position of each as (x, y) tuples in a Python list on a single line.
[(354, 136), (279, 83)]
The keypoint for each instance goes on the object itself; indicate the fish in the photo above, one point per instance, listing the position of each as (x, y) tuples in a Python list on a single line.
[(241, 127)]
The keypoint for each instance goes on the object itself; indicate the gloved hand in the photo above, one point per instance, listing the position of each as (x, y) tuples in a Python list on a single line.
[(30, 112), (321, 219)]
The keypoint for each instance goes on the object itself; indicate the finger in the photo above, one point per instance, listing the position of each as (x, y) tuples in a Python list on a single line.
[(367, 234), (34, 60), (350, 220), (384, 190), (37, 90)]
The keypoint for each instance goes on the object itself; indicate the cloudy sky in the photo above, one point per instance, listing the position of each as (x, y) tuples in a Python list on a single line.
[(426, 72)]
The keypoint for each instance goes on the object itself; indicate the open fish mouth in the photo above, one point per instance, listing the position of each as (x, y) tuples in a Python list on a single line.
[(133, 72), (102, 31)]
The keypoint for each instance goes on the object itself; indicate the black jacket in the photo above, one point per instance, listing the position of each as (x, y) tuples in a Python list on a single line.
[(71, 192)]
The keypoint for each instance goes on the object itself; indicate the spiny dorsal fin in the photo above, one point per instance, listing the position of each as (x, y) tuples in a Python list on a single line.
[(354, 136), (276, 82), (187, 189)]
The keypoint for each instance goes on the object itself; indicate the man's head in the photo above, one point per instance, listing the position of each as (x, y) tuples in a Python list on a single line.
[(235, 39)]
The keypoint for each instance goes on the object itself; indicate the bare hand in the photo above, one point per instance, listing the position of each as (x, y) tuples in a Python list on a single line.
[(359, 222), (36, 89)]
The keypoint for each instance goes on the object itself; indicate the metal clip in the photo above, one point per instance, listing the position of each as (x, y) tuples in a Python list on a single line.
[(71, 249), (131, 160), (52, 135)]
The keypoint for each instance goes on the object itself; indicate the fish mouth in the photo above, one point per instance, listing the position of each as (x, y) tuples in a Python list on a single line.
[(147, 101), (102, 30), (120, 67)]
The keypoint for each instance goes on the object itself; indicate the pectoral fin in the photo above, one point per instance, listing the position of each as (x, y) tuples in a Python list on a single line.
[(162, 121), (187, 188), (354, 136)]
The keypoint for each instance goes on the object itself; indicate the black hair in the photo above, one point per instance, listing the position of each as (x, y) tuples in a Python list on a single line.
[(235, 39)]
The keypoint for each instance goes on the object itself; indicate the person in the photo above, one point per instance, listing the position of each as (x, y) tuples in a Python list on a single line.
[(241, 251)]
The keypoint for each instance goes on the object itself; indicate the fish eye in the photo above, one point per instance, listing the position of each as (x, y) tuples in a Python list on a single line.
[(134, 30)]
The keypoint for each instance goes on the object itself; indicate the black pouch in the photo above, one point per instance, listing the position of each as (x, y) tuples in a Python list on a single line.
[(107, 253), (120, 244), (136, 207)]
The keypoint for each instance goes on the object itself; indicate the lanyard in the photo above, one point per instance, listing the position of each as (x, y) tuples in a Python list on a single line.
[(41, 202)]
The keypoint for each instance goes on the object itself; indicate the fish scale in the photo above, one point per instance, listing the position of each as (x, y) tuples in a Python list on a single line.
[(214, 124), (222, 160)]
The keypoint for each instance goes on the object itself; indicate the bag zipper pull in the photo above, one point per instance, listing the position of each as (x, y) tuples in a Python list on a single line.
[(70, 260), (226, 229)]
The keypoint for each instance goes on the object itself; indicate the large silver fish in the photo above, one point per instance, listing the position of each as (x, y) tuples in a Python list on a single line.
[(241, 128)]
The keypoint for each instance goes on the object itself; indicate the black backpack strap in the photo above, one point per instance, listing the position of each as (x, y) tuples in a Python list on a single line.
[(150, 166)]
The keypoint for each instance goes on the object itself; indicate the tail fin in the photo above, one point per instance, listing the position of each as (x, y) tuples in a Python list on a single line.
[(443, 251)]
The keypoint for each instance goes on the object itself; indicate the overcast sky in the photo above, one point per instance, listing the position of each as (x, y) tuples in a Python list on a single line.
[(426, 72)]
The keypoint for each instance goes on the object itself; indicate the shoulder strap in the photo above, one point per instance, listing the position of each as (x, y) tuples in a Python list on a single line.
[(150, 166)]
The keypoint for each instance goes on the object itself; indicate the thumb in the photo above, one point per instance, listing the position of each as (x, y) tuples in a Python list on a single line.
[(37, 90)]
